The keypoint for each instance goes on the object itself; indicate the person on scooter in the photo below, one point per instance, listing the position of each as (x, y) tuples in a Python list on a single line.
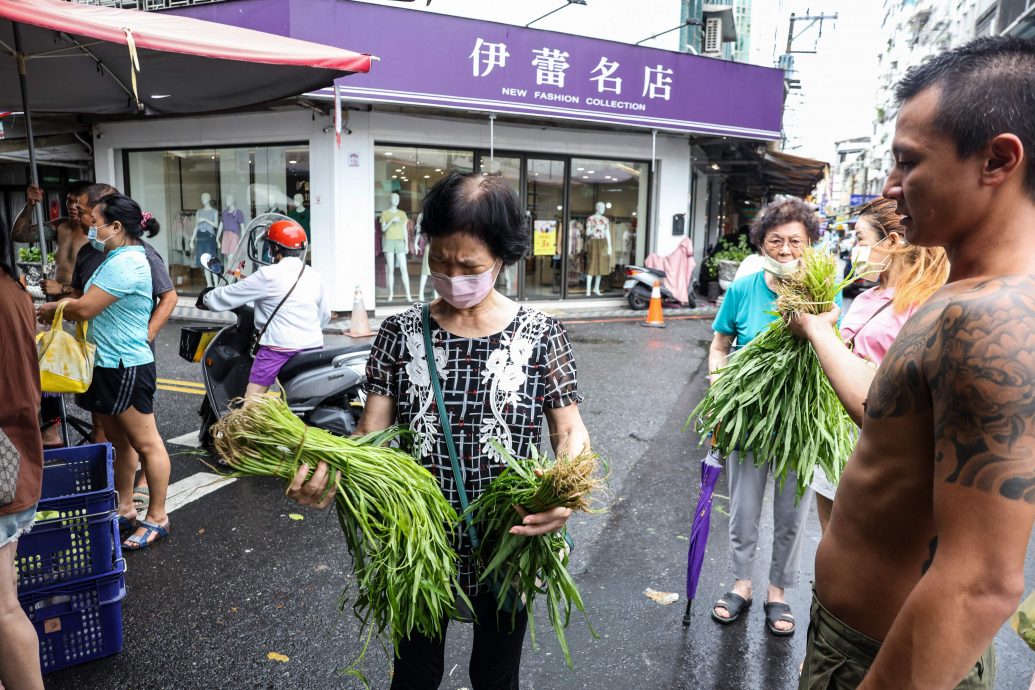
[(290, 305)]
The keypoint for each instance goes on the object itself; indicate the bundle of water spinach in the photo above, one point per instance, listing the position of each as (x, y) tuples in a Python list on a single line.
[(772, 398), (395, 519), (520, 568)]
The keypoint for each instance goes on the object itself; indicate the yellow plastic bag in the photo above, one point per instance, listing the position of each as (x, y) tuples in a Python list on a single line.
[(66, 361), (1023, 621)]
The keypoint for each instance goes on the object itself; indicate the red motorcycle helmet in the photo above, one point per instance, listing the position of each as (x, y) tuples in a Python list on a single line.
[(287, 234)]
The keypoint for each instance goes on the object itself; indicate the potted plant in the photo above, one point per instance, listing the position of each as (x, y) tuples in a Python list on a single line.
[(724, 262)]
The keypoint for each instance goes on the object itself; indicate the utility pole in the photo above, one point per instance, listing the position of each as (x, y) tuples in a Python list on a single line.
[(812, 20)]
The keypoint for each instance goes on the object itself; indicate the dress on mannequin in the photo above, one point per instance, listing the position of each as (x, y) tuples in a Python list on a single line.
[(599, 256), (395, 226), (204, 237), (421, 246), (233, 221)]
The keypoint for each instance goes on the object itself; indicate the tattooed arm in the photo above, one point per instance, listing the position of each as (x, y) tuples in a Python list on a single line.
[(979, 364)]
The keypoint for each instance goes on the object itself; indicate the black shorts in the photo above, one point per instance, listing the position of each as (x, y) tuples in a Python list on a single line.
[(113, 391)]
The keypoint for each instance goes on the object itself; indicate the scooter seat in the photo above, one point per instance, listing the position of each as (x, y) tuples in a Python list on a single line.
[(304, 361)]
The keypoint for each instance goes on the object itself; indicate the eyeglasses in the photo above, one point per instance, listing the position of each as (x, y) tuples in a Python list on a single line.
[(778, 242)]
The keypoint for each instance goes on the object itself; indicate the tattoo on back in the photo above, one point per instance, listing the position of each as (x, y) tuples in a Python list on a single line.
[(932, 548), (968, 359)]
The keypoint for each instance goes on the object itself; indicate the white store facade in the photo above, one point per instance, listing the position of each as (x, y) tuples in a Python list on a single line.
[(563, 158)]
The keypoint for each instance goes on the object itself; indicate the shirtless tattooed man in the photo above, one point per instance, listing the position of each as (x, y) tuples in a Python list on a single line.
[(69, 234), (923, 560)]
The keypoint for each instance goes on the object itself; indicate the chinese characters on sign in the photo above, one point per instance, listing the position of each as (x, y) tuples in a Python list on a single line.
[(551, 66), (605, 82), (487, 56)]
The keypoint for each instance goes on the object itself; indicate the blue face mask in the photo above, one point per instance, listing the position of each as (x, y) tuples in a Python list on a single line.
[(91, 235)]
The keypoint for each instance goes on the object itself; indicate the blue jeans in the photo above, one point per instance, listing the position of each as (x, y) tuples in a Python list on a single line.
[(15, 525)]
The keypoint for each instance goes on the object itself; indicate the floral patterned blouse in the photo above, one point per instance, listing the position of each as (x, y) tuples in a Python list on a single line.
[(494, 388)]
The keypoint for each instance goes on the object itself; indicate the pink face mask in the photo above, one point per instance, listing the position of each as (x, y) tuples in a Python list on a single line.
[(464, 292)]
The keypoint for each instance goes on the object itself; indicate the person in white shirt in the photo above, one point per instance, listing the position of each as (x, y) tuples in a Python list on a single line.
[(297, 326)]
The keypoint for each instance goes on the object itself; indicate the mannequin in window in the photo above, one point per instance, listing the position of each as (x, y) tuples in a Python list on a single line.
[(393, 243), (204, 238), (301, 214), (598, 249), (230, 223), (420, 245)]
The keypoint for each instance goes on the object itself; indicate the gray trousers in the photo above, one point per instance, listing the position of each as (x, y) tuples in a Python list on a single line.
[(747, 491)]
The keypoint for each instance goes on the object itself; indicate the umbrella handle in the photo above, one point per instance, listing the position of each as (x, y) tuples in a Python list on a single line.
[(686, 616)]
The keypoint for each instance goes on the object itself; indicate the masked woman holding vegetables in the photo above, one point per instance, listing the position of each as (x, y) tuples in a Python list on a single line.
[(502, 369), (907, 275), (782, 230)]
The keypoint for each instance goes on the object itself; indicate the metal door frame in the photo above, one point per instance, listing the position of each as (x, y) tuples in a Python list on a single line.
[(524, 156)]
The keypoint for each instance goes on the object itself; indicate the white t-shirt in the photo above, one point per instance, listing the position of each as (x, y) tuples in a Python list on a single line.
[(299, 323), (750, 265)]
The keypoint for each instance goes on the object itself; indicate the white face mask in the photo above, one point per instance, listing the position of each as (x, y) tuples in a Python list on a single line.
[(863, 265), (779, 270)]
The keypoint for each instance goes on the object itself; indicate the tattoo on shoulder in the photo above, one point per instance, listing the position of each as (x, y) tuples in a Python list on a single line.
[(981, 374), (899, 388)]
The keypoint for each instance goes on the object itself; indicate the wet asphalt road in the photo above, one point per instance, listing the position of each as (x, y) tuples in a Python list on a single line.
[(239, 579)]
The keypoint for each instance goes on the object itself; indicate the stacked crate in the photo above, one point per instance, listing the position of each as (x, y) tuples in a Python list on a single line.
[(71, 575)]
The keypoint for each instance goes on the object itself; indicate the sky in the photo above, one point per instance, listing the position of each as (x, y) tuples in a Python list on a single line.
[(837, 85)]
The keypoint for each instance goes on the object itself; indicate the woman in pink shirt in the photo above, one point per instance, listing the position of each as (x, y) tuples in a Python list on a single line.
[(906, 276)]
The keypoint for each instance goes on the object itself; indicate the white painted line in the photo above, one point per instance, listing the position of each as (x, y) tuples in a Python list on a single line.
[(190, 439), (194, 487)]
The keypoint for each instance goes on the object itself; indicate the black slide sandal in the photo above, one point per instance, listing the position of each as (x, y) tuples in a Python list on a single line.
[(734, 605), (776, 612)]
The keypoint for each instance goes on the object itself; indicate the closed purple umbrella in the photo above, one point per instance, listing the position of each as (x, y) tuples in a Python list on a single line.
[(711, 466)]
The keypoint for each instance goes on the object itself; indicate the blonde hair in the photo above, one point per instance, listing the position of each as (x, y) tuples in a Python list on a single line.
[(924, 269)]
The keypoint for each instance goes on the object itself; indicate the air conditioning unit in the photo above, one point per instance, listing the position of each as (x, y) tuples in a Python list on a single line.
[(713, 35)]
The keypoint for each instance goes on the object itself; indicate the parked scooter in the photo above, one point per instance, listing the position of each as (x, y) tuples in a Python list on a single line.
[(324, 388), (639, 283), (673, 273)]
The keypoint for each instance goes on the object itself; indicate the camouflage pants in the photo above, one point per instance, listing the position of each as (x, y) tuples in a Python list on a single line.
[(838, 657)]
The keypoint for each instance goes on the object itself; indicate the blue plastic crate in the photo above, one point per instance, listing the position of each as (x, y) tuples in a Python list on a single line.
[(79, 621), (83, 472), (68, 548)]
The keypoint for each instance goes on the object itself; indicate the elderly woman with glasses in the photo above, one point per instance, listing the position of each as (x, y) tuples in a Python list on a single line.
[(782, 230)]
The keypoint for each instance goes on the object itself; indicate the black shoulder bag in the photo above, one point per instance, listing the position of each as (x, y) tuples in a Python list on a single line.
[(257, 335)]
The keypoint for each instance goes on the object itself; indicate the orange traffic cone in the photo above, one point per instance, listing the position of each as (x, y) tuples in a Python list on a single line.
[(359, 324), (655, 317)]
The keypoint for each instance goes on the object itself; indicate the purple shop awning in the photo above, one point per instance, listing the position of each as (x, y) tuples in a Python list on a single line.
[(441, 61)]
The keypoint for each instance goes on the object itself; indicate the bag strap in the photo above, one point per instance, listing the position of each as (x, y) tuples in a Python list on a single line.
[(851, 341), (266, 325), (458, 477)]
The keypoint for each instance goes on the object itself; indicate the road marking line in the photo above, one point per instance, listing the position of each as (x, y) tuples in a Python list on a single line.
[(176, 389), (190, 439), (178, 382), (194, 487)]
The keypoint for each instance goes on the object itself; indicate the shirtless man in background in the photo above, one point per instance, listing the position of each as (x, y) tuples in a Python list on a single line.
[(923, 560), (69, 233)]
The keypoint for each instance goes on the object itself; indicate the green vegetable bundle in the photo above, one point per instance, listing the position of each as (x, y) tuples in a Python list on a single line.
[(772, 399), (395, 519), (32, 255), (530, 566)]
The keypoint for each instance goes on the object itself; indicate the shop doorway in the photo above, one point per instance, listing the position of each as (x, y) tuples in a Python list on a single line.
[(586, 218)]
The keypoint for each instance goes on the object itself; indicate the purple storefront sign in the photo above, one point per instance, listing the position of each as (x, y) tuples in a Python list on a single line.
[(442, 61)]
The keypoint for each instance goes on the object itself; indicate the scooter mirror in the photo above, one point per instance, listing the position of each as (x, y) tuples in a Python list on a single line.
[(212, 263)]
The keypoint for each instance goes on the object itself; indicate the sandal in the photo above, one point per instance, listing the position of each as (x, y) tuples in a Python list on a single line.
[(734, 605), (126, 527), (776, 612), (141, 497), (143, 541)]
